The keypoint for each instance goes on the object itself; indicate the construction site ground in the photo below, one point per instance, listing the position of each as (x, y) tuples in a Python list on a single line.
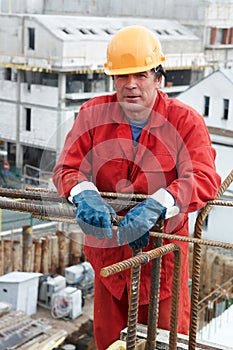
[(79, 330)]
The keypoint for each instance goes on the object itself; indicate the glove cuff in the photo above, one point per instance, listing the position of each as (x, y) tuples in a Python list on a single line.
[(82, 186), (164, 198)]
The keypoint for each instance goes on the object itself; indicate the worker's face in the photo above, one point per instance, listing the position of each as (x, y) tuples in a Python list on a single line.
[(137, 93)]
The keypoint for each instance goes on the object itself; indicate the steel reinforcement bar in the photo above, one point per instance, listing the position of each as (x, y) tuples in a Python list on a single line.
[(134, 263), (197, 261), (65, 213)]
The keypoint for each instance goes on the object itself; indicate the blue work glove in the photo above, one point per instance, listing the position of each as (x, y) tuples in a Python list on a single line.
[(93, 214), (135, 226), (141, 242)]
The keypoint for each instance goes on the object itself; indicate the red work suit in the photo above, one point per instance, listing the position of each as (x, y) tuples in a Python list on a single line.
[(174, 152)]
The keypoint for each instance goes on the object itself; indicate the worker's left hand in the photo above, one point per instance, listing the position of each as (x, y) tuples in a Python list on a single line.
[(135, 226), (140, 242)]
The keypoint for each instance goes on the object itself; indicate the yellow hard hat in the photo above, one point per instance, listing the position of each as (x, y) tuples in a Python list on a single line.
[(133, 49)]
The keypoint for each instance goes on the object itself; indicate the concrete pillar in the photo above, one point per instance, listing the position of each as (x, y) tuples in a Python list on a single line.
[(60, 109), (19, 147)]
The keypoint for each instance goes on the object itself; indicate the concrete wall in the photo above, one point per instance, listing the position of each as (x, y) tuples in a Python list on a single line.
[(46, 44), (10, 34), (44, 127), (42, 122), (8, 90), (187, 11), (54, 47), (45, 116), (39, 95), (219, 12), (14, 41), (8, 121), (22, 6), (147, 8)]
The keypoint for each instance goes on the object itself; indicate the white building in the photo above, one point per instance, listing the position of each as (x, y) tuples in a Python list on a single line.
[(210, 20), (212, 97), (50, 64)]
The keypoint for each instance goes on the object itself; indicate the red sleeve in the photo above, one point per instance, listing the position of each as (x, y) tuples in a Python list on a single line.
[(197, 181), (73, 165)]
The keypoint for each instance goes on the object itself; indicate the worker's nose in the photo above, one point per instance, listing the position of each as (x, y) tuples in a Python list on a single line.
[(130, 82)]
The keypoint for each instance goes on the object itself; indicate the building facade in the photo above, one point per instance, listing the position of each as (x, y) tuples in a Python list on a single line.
[(210, 20), (212, 97), (49, 65)]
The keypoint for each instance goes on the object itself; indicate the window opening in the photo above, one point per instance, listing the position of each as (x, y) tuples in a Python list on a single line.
[(28, 119), (7, 74), (65, 31), (83, 31), (178, 32), (108, 31), (225, 108), (219, 38), (92, 31), (31, 38), (206, 106)]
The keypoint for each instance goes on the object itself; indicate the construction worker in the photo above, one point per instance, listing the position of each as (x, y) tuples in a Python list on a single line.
[(136, 140)]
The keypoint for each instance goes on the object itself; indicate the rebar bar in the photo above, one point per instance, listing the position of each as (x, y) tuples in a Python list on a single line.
[(137, 260), (197, 263), (41, 211), (154, 294), (194, 240), (33, 195), (175, 298), (42, 194), (133, 305), (64, 213)]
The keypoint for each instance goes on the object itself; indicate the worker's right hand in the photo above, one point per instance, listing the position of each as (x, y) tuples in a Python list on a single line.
[(135, 226), (93, 214)]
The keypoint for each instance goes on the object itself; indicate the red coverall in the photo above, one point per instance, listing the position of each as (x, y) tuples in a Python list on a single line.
[(174, 152)]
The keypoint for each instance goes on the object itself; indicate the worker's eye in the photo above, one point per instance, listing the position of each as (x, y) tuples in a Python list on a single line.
[(141, 75)]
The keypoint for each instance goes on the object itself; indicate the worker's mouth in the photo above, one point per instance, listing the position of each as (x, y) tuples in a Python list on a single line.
[(132, 99)]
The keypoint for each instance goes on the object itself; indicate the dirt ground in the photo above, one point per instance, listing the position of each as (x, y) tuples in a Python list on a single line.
[(80, 329), (69, 325)]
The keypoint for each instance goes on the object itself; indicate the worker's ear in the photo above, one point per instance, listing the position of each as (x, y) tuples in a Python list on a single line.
[(113, 82), (158, 82)]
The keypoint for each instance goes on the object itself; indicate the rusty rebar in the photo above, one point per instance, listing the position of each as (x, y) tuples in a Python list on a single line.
[(44, 212), (175, 298), (154, 294), (134, 261), (133, 305), (197, 263), (66, 213), (32, 195), (42, 194), (144, 257), (193, 240)]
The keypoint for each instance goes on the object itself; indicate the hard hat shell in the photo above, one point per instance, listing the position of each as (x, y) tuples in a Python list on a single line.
[(133, 49)]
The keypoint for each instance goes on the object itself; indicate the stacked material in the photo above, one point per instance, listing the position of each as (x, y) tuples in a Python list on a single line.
[(20, 331)]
